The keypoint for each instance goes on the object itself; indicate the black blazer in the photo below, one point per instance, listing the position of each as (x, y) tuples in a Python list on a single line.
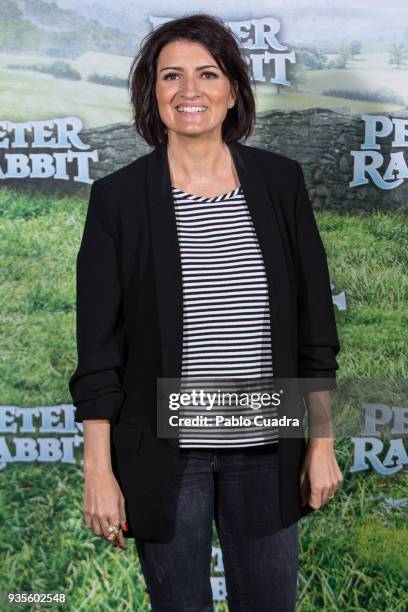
[(130, 315)]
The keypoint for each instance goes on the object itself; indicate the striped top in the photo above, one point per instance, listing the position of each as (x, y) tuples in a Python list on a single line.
[(226, 324)]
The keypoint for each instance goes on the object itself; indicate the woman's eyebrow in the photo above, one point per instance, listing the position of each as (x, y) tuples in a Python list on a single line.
[(180, 67)]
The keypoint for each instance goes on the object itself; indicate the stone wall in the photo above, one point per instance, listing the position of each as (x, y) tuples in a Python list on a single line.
[(320, 139)]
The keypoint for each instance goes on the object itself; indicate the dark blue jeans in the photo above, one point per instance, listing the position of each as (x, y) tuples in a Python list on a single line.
[(238, 488)]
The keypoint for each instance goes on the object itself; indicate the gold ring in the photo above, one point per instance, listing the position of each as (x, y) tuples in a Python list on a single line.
[(113, 532), (112, 536)]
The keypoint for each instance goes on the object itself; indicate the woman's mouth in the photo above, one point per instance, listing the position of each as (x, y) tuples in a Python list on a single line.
[(190, 110)]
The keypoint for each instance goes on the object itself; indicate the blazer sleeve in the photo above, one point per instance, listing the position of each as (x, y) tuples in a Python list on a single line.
[(95, 385), (318, 342)]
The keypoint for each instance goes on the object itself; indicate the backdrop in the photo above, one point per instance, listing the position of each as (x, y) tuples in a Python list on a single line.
[(332, 92)]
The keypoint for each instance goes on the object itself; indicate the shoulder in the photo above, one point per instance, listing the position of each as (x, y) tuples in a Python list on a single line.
[(281, 173), (270, 159), (119, 195), (123, 178)]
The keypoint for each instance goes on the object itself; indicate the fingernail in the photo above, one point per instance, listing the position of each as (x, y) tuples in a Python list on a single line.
[(126, 527)]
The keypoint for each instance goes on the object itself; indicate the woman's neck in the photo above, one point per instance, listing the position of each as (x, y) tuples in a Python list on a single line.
[(200, 164)]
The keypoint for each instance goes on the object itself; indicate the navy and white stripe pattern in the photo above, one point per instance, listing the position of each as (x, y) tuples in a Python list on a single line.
[(226, 325)]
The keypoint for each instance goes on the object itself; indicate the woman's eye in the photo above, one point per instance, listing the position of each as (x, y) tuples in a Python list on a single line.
[(172, 74)]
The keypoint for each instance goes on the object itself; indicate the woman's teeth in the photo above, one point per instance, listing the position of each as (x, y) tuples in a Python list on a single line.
[(191, 109)]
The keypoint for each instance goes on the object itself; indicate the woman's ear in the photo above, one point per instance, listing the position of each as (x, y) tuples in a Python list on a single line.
[(234, 89)]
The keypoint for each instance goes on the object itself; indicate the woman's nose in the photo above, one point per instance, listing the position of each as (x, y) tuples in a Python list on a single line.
[(189, 86)]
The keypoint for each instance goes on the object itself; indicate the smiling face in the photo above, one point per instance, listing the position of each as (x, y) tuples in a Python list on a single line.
[(193, 94)]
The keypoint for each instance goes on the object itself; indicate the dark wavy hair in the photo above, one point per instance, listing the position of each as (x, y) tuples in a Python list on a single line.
[(223, 45)]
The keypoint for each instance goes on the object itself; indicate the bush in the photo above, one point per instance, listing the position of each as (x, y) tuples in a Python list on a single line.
[(63, 70), (105, 79), (368, 96), (59, 68), (313, 58)]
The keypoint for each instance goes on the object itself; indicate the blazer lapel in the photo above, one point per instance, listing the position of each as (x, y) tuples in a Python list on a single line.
[(167, 260), (263, 210)]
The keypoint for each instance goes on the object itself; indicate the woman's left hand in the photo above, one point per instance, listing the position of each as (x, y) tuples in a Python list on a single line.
[(320, 476)]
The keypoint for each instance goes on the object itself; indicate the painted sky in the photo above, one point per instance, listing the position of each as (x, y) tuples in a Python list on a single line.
[(372, 21)]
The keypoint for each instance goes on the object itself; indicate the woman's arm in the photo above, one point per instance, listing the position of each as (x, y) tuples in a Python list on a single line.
[(318, 342), (104, 503), (318, 345), (95, 385), (320, 475)]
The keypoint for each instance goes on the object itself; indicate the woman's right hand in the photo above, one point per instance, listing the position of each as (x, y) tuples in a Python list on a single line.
[(104, 504)]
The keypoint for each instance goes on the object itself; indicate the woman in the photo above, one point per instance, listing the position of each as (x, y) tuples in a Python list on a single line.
[(203, 259)]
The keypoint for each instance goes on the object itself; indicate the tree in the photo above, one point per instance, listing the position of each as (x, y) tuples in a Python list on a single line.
[(312, 57), (297, 72), (355, 48), (10, 10), (340, 62), (343, 56), (398, 54)]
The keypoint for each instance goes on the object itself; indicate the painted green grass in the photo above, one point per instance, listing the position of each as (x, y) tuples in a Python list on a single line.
[(369, 71), (102, 104), (344, 563), (291, 100), (115, 65), (27, 94), (33, 95)]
